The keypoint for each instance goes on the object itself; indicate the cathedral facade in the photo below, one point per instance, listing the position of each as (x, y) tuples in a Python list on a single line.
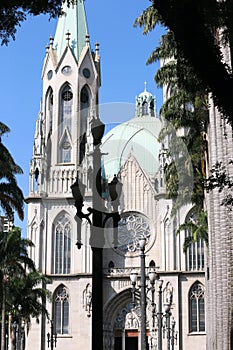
[(64, 147)]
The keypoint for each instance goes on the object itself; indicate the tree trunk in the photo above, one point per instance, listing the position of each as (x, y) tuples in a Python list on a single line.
[(3, 328)]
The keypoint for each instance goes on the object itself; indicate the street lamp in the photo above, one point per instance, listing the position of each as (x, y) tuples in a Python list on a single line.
[(97, 224), (19, 329), (169, 327), (165, 323), (143, 287), (142, 243), (52, 337), (160, 315)]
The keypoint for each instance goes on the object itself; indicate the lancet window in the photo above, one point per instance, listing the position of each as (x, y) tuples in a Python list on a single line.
[(65, 124), (62, 245), (197, 308), (61, 310)]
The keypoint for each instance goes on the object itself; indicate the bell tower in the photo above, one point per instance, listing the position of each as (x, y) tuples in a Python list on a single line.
[(62, 146)]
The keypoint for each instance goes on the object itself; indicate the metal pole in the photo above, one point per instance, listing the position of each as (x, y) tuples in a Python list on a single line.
[(168, 314), (160, 314), (19, 328), (51, 338), (143, 300), (173, 334), (96, 242)]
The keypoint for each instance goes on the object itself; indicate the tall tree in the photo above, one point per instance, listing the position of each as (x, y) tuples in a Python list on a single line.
[(11, 196), (29, 291), (200, 29), (14, 261), (20, 282), (185, 115)]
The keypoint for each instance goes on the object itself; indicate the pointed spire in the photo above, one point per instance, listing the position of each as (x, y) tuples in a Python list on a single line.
[(73, 21)]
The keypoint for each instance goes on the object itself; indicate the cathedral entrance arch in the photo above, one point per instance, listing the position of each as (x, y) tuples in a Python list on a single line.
[(122, 323)]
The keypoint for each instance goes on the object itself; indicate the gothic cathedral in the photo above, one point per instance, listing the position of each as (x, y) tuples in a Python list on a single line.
[(64, 146)]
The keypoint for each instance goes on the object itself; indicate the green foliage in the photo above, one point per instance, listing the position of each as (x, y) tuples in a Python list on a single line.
[(29, 293), (200, 28), (197, 230), (185, 117), (14, 12), (20, 282), (220, 178), (11, 196)]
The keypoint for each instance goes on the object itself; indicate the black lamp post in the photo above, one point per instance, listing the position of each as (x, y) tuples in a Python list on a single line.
[(143, 287), (160, 315), (52, 337), (169, 328), (97, 225), (142, 243), (19, 329)]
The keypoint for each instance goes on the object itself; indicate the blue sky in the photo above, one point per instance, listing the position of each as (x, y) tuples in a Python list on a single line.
[(123, 49)]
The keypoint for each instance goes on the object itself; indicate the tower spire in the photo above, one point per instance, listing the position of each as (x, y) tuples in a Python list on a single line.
[(73, 21)]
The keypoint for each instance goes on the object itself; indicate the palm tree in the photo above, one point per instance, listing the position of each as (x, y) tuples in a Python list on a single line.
[(185, 116), (14, 261), (11, 196), (197, 229), (28, 291)]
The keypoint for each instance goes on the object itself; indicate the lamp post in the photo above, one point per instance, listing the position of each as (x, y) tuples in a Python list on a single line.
[(51, 337), (169, 328), (163, 328), (19, 327), (143, 287), (142, 243), (160, 315), (97, 225)]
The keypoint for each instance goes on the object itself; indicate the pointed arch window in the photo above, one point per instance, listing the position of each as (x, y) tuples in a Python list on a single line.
[(65, 125), (145, 108), (49, 110), (85, 106), (66, 108), (61, 308), (197, 308), (65, 149), (62, 245)]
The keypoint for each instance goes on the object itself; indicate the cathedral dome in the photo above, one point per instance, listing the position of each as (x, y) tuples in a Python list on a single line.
[(138, 136)]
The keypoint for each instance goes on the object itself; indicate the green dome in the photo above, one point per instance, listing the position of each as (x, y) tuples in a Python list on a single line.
[(139, 137)]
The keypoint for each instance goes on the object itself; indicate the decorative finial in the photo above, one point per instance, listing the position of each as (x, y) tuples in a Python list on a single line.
[(51, 41), (47, 48), (97, 47), (68, 38), (87, 39), (97, 57), (145, 83)]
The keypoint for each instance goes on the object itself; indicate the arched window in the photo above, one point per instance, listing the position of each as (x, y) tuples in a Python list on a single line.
[(65, 125), (195, 257), (197, 308), (66, 108), (61, 310), (50, 110), (111, 266), (84, 113), (145, 108), (152, 264), (62, 245)]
